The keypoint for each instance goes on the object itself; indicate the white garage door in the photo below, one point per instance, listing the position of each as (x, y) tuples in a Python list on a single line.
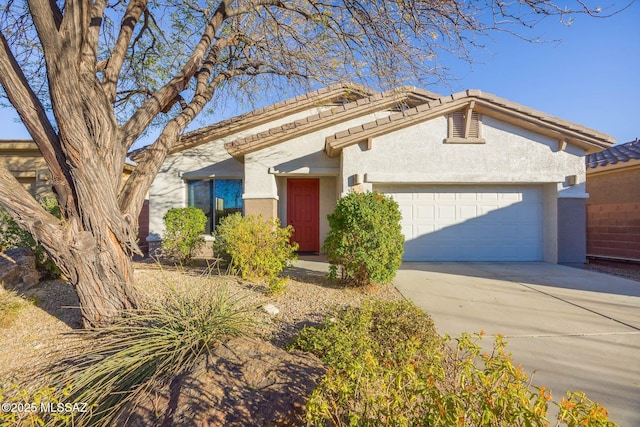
[(469, 223)]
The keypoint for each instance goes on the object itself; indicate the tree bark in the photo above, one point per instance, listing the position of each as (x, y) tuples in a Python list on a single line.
[(100, 270), (103, 278)]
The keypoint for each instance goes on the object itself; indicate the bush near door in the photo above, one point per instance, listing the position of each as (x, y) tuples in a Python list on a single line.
[(366, 238)]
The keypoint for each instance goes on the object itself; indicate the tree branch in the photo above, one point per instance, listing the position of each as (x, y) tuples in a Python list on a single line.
[(92, 36), (133, 192), (33, 116), (47, 19), (27, 212), (115, 62), (241, 10), (141, 119)]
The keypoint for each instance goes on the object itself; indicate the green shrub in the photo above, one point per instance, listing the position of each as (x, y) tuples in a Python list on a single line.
[(387, 366), (12, 236), (366, 239), (183, 237), (139, 351), (255, 248), (373, 354)]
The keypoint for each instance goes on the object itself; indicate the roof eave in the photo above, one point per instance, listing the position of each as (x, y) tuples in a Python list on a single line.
[(488, 104), (262, 115), (359, 108), (611, 167)]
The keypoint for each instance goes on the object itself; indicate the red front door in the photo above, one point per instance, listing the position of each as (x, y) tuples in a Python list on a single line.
[(303, 212)]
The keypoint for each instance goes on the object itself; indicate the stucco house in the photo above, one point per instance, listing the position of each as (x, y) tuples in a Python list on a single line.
[(613, 209), (477, 177)]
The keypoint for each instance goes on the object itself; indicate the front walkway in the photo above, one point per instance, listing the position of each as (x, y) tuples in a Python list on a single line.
[(577, 330)]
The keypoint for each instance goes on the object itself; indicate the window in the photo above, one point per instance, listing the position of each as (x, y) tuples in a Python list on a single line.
[(217, 198), (464, 127)]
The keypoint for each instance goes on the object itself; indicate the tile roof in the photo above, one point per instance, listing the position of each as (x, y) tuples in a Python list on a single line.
[(621, 153), (484, 103), (265, 114), (403, 97)]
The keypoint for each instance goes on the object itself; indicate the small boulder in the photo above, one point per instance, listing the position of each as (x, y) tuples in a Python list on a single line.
[(18, 269), (271, 309), (245, 382)]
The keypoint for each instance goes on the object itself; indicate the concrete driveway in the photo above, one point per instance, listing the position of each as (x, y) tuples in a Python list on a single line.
[(575, 329)]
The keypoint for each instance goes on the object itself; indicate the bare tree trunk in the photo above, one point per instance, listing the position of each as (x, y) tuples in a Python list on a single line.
[(103, 279)]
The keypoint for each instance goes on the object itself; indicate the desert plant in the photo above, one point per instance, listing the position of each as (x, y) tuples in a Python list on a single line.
[(145, 347), (255, 247), (366, 239), (12, 236), (388, 366), (183, 237)]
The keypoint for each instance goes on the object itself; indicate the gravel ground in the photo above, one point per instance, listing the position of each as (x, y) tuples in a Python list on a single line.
[(621, 269), (41, 333)]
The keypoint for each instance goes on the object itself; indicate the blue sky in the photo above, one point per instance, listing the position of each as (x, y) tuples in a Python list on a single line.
[(591, 77)]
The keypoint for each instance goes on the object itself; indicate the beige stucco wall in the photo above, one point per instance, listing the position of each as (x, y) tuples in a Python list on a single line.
[(510, 155), (23, 159), (268, 208), (209, 160), (300, 156)]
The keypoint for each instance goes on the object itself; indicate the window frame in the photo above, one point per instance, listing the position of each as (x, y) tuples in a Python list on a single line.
[(212, 219)]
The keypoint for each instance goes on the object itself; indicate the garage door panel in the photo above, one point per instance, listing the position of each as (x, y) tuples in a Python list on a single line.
[(470, 223), (424, 196), (467, 212), (467, 196), (424, 212), (406, 212)]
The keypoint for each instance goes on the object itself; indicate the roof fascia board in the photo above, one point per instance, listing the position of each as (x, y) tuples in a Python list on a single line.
[(558, 132), (528, 119), (264, 115), (614, 167), (339, 114), (18, 145)]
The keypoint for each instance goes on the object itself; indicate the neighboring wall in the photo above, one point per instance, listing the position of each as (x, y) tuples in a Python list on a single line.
[(23, 159), (613, 213)]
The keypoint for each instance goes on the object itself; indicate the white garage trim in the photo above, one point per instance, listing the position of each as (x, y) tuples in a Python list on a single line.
[(470, 222)]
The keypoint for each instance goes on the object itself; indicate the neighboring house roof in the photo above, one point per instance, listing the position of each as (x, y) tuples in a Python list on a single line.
[(338, 92), (16, 148), (401, 98), (484, 103), (621, 155)]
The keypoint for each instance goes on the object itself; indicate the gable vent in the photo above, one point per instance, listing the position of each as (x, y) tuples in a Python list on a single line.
[(457, 132)]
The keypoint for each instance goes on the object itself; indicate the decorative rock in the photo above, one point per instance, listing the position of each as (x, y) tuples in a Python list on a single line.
[(271, 309), (244, 382), (18, 269)]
